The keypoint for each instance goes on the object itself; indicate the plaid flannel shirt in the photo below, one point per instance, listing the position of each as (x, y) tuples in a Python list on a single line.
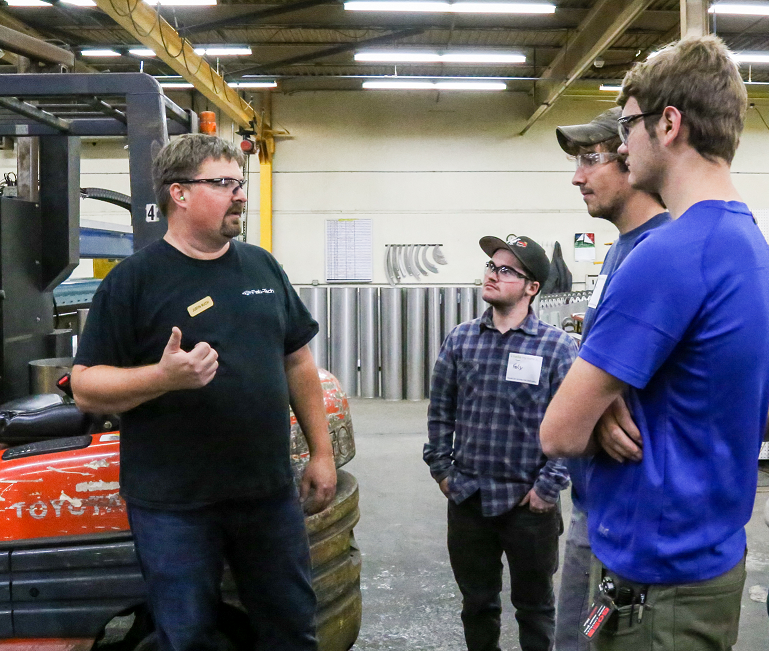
[(483, 430)]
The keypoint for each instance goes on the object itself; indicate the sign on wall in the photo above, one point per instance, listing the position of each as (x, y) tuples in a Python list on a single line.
[(349, 250)]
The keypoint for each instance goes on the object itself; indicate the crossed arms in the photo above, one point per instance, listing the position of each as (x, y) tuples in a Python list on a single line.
[(588, 412)]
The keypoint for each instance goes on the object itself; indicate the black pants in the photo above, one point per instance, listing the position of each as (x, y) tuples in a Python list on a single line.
[(530, 542)]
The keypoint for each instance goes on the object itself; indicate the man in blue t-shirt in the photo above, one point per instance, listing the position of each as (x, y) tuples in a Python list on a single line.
[(680, 334), (602, 178)]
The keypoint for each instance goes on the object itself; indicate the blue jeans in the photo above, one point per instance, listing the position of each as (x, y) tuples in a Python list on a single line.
[(574, 596), (182, 554)]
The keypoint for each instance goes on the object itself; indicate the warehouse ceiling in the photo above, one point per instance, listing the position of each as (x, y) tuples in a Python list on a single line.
[(310, 45)]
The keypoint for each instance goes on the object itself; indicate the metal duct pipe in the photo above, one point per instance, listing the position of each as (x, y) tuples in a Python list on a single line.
[(434, 339), (344, 337), (315, 300), (450, 316), (415, 343), (467, 304), (480, 305), (369, 341), (392, 343)]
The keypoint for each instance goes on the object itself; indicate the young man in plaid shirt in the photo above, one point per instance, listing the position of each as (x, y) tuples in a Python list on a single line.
[(491, 385)]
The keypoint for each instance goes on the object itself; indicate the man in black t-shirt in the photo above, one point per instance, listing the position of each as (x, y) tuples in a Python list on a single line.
[(200, 342)]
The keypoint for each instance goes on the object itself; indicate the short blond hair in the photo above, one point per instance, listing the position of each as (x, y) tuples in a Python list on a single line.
[(700, 78)]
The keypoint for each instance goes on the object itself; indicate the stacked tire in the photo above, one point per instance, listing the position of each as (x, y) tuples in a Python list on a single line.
[(336, 559)]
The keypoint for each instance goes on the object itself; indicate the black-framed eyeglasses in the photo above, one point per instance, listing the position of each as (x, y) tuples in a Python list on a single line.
[(226, 182), (625, 123), (594, 158), (504, 273)]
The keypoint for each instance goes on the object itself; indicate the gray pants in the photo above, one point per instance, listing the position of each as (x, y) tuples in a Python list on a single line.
[(574, 595)]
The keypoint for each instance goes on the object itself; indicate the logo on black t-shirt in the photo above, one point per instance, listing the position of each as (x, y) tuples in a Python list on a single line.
[(251, 292)]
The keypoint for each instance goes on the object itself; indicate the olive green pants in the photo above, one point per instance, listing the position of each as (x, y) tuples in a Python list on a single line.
[(702, 616)]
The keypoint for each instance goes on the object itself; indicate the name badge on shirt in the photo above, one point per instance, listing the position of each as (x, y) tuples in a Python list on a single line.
[(523, 368), (201, 306), (595, 297)]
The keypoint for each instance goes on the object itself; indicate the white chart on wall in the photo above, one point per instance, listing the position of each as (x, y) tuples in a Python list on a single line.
[(349, 253), (762, 217)]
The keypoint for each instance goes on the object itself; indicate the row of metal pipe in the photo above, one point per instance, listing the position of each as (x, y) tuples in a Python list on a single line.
[(383, 341)]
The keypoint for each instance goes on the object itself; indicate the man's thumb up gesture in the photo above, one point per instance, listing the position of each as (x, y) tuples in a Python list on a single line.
[(183, 370)]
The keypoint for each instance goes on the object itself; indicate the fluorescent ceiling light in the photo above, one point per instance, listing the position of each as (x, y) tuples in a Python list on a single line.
[(740, 9), (751, 57), (223, 51), (99, 53), (140, 52), (610, 88), (191, 3), (176, 85), (434, 85), (455, 7), (434, 57), (254, 84)]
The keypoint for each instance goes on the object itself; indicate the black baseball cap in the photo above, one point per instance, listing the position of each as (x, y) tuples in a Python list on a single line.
[(530, 254), (600, 129)]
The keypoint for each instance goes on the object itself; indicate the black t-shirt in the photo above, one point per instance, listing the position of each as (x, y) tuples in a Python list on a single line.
[(229, 439)]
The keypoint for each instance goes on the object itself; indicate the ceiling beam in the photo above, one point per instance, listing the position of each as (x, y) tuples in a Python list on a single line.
[(149, 28), (327, 52), (34, 48), (606, 21), (7, 20), (251, 16), (695, 20)]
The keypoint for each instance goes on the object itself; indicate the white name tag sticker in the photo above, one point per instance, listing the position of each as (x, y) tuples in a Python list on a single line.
[(523, 368), (595, 297)]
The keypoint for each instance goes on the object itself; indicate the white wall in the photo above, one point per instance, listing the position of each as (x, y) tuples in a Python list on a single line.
[(448, 168)]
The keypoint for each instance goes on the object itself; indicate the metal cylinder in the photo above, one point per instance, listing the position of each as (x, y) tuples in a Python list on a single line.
[(434, 339), (415, 343), (315, 300), (59, 343), (344, 337), (450, 316), (82, 315), (466, 304), (480, 305), (535, 305), (392, 343), (44, 373), (368, 317)]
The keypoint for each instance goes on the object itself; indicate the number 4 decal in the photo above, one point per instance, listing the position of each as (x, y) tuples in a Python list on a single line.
[(152, 212)]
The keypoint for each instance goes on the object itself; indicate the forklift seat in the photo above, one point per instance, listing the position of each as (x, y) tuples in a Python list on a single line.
[(40, 418)]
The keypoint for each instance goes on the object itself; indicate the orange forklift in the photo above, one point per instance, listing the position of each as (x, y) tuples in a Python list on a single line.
[(69, 578)]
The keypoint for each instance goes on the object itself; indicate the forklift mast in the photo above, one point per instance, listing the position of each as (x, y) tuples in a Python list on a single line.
[(40, 240)]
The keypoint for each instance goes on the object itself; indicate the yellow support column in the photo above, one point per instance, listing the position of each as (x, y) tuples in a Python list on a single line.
[(265, 204)]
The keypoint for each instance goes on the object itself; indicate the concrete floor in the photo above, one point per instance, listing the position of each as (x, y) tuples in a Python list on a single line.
[(410, 600)]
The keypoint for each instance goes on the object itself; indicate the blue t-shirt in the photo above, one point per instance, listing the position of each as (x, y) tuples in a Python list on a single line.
[(617, 253), (684, 324)]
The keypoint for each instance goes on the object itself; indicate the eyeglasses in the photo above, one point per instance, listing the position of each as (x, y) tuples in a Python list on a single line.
[(595, 158), (226, 182), (625, 123), (504, 273)]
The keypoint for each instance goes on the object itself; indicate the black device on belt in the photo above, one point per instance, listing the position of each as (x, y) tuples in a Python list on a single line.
[(617, 604)]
